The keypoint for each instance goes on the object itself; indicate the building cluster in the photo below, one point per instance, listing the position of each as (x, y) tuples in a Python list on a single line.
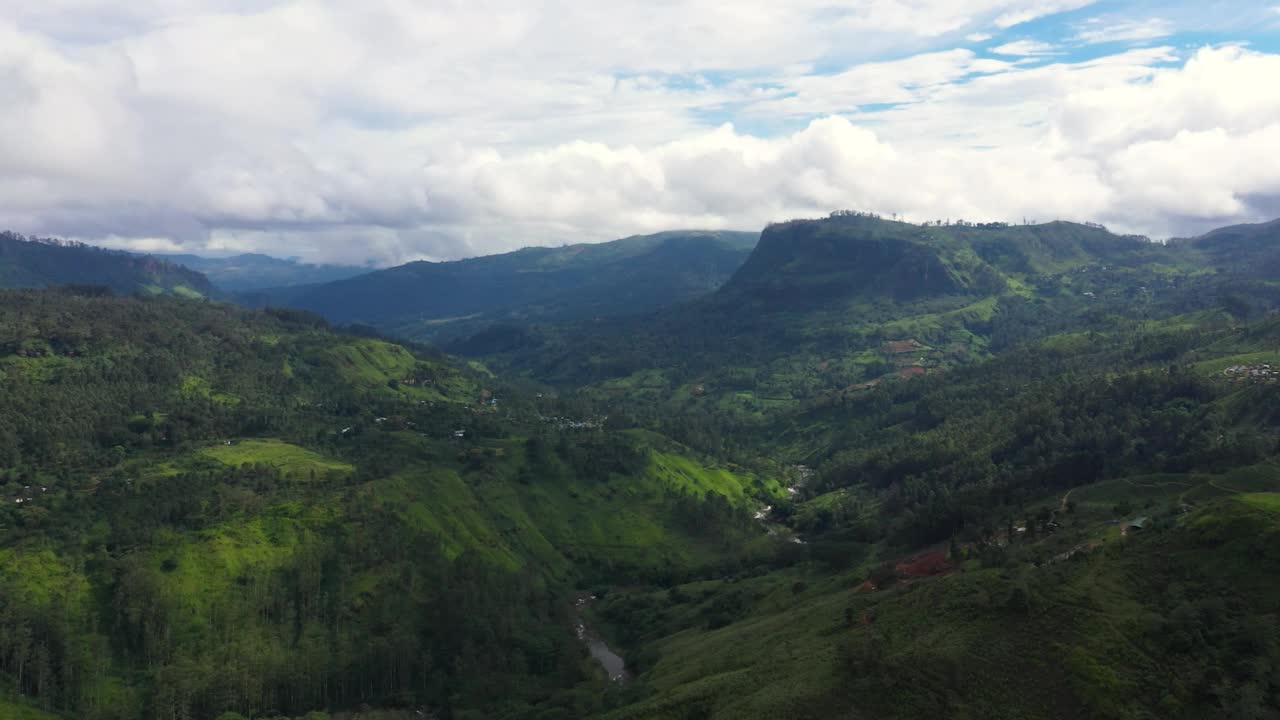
[(564, 423), (27, 494), (1252, 373)]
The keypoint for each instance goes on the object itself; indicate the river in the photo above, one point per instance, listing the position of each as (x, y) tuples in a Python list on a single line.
[(613, 663), (764, 515)]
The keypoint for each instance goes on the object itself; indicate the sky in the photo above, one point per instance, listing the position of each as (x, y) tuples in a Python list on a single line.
[(382, 131)]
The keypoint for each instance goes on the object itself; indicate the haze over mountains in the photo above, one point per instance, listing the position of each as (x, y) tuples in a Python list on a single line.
[(254, 271), (629, 276)]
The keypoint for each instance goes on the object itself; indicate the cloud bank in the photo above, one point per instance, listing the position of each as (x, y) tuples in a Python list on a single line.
[(392, 130)]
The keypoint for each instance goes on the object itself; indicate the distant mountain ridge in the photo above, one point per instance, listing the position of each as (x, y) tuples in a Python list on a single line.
[(1250, 250), (40, 262), (835, 290), (254, 271), (623, 277)]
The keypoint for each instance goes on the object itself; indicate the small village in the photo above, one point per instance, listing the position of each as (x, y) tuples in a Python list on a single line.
[(564, 423), (27, 494), (1252, 373)]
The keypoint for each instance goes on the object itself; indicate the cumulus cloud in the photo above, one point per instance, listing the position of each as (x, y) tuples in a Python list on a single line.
[(398, 130)]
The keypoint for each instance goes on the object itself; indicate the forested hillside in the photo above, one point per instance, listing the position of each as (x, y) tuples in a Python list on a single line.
[(1044, 467), (205, 509), (424, 300), (827, 309), (36, 262), (1083, 527)]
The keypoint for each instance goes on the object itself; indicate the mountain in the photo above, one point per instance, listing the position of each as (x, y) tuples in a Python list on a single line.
[(253, 271), (832, 293), (623, 277), (821, 305), (848, 258), (36, 262), (1249, 250), (808, 263)]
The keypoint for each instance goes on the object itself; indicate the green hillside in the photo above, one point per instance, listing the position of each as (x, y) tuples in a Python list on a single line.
[(827, 309), (1143, 626), (35, 263), (206, 509), (1093, 540)]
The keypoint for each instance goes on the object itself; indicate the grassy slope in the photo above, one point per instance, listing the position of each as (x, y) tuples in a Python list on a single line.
[(293, 461), (619, 518)]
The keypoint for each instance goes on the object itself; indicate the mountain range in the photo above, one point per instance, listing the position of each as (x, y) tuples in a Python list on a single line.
[(425, 300), (831, 293)]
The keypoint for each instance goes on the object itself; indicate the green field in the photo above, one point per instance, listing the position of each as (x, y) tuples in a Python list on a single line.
[(295, 462)]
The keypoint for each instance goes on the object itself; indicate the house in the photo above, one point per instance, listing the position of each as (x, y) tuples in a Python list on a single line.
[(1139, 523), (459, 434)]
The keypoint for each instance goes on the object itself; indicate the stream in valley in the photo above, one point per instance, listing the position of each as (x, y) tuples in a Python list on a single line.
[(612, 662)]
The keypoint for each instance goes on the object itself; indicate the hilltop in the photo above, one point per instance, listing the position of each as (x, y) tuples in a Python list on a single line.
[(38, 262)]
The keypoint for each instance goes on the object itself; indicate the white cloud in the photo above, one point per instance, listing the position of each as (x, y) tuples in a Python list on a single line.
[(1038, 9), (1101, 30), (1024, 48), (909, 80), (394, 130), (978, 37)]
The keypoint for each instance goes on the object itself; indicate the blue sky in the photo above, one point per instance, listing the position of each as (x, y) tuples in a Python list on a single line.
[(384, 131)]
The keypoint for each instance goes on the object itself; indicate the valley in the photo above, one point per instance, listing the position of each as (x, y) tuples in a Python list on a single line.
[(882, 470)]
